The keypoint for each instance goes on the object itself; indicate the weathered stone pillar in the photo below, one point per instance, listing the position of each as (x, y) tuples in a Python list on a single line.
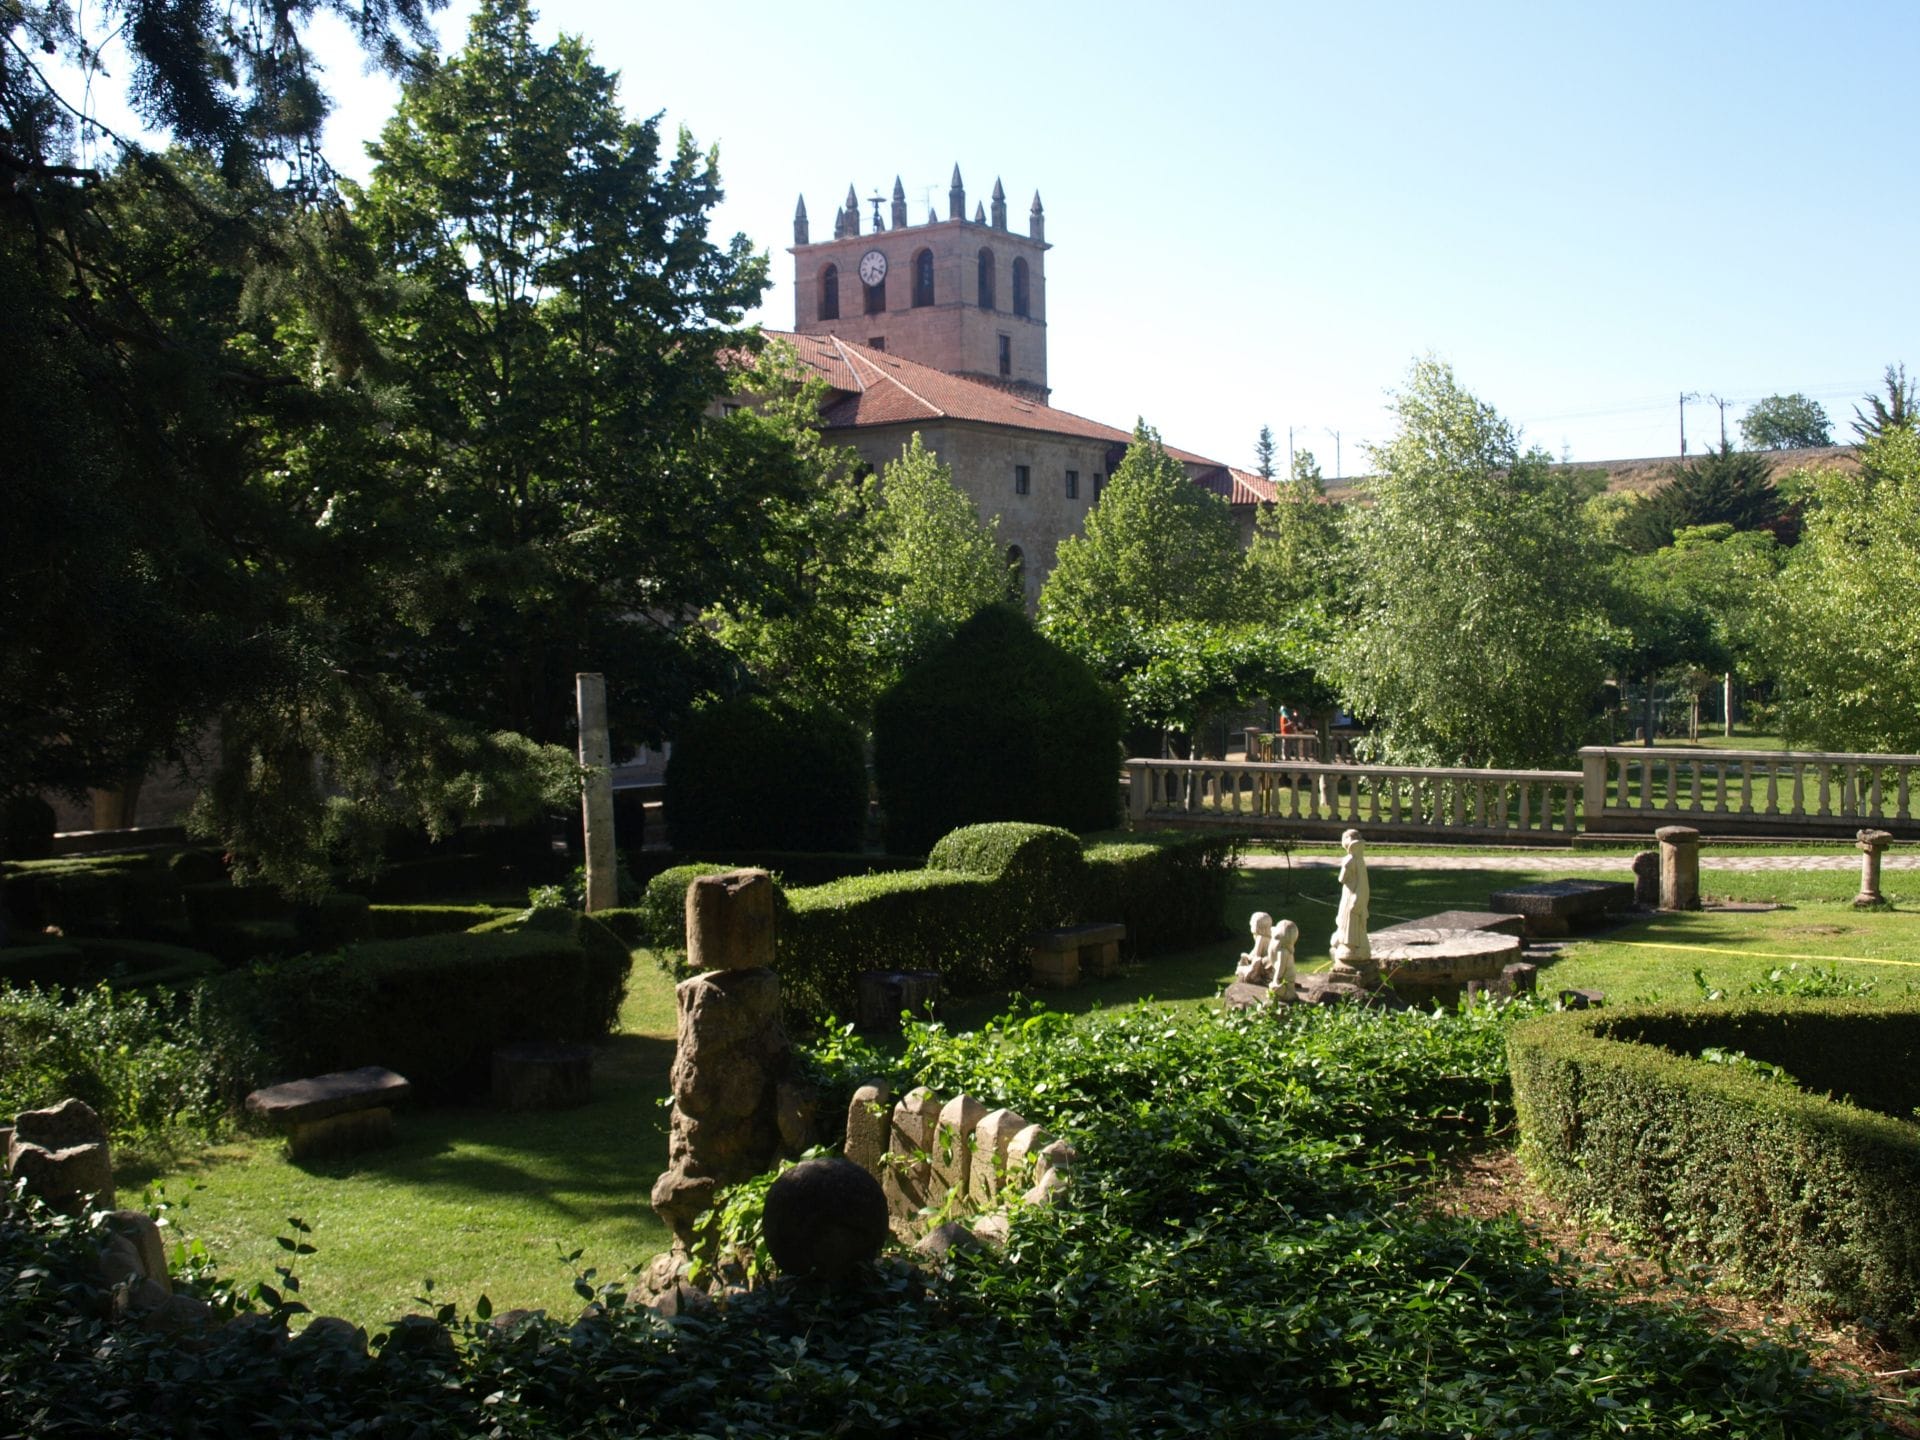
[(596, 796), (731, 1053), (1872, 843), (1679, 867)]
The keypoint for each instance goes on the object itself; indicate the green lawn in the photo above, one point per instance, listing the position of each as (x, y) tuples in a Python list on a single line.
[(483, 1201), (488, 1202)]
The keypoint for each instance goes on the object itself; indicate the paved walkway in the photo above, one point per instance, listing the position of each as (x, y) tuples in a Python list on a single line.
[(1575, 864)]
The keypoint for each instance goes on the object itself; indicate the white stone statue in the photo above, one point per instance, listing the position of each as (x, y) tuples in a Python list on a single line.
[(1286, 935), (1270, 961), (1350, 928), (1256, 966)]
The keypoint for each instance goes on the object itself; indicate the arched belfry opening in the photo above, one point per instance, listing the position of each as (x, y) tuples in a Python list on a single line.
[(1022, 293), (923, 278), (987, 272), (830, 293)]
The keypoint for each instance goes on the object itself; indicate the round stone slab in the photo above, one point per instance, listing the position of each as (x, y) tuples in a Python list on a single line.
[(1415, 956)]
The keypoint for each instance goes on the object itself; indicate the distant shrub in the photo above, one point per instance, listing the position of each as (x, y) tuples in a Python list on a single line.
[(760, 773), (126, 1054), (997, 723)]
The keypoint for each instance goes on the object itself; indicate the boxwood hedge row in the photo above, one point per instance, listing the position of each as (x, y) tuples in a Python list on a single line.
[(1673, 1121)]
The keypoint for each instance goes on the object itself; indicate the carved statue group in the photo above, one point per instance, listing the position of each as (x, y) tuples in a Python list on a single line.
[(1270, 962)]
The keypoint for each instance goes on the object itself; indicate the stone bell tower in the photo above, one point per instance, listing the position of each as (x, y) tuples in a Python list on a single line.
[(963, 295)]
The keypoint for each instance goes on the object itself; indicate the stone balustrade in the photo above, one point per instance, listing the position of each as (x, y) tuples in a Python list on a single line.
[(1384, 800), (1750, 791)]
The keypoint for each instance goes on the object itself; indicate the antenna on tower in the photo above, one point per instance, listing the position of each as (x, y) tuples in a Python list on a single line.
[(878, 223)]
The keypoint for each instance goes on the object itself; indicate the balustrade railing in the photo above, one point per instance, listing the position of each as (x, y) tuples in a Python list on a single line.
[(1382, 799), (1758, 790)]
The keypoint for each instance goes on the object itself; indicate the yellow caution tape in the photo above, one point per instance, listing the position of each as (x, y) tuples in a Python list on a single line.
[(1760, 955)]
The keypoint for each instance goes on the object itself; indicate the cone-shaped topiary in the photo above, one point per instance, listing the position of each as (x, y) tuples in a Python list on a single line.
[(756, 773), (998, 723)]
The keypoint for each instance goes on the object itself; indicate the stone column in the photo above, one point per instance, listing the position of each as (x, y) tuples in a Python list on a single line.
[(730, 1054), (1871, 843), (596, 796), (1679, 867)]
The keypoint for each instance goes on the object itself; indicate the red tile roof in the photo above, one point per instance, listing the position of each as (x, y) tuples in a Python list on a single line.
[(872, 387)]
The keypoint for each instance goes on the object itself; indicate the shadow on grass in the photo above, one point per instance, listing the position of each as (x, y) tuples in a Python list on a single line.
[(596, 1161)]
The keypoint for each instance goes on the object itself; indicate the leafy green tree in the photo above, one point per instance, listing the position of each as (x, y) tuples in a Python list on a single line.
[(1691, 607), (1786, 422), (1298, 555), (1843, 633), (1895, 412), (1480, 590), (938, 564), (1306, 476), (1724, 486), (1263, 453), (1157, 547), (559, 325)]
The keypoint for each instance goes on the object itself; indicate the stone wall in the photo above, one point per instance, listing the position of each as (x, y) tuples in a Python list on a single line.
[(941, 1162)]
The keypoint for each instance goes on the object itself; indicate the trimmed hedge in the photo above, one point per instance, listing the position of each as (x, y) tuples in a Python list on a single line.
[(757, 772), (1039, 872), (81, 964), (998, 723), (1170, 889), (404, 922), (1815, 1198), (432, 1007), (919, 920)]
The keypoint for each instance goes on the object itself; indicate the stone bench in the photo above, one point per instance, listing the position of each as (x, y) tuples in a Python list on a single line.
[(528, 1075), (1062, 958), (884, 994), (333, 1114), (1556, 907)]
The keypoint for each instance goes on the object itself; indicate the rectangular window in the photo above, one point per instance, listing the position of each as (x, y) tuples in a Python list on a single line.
[(1099, 484), (878, 342), (1073, 484), (1022, 479), (1006, 356)]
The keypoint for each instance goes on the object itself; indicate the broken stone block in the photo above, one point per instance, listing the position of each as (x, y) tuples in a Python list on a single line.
[(952, 1149), (1023, 1157), (992, 1136), (868, 1118), (730, 921)]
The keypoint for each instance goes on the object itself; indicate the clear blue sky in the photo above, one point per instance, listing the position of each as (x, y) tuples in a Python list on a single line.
[(1262, 212)]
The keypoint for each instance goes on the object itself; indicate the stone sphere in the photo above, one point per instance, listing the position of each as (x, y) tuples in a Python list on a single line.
[(824, 1217)]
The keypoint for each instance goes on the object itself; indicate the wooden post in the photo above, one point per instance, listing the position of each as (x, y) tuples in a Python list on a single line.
[(596, 796)]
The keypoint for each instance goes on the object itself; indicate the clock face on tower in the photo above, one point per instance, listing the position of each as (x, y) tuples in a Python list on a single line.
[(873, 268)]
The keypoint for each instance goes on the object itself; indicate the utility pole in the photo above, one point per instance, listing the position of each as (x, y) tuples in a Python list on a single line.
[(1723, 418), (1289, 452), (1685, 395), (1336, 453)]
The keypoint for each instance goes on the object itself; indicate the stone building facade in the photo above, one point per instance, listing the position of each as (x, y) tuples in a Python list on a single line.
[(941, 328)]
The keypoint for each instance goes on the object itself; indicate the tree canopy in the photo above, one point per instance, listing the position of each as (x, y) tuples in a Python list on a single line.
[(1721, 487), (1156, 548), (1893, 412), (1844, 630), (1478, 635), (1786, 422)]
